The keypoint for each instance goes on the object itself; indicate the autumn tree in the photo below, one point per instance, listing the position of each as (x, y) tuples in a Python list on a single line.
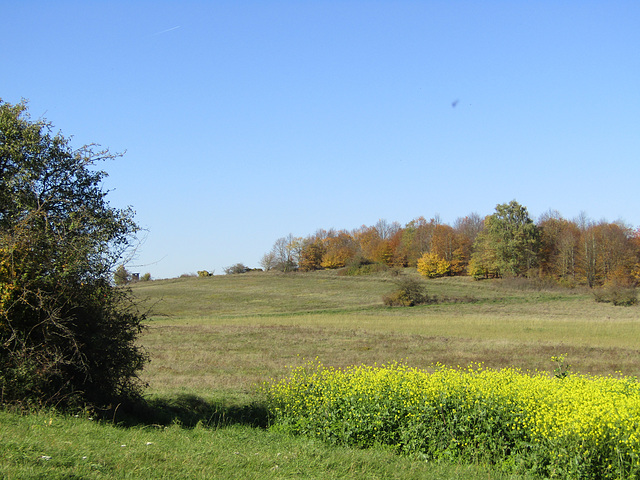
[(509, 243), (399, 259), (605, 251), (415, 239), (635, 246), (386, 229), (311, 254), (284, 254), (448, 245), (339, 249), (432, 265), (68, 336), (467, 229), (369, 241), (379, 243), (558, 247), (268, 261), (617, 255)]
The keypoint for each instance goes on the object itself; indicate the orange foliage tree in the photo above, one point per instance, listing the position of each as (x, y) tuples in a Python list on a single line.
[(339, 250), (559, 247)]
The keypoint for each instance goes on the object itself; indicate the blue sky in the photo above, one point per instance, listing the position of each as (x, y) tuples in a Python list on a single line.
[(246, 121)]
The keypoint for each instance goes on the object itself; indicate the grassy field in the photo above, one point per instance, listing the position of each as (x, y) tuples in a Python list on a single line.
[(228, 333), (212, 340)]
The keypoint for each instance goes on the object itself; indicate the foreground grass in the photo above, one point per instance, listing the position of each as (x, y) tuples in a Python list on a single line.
[(62, 447), (212, 340)]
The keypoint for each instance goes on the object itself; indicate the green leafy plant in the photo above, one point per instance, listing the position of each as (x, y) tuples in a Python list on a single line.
[(68, 336), (582, 427), (562, 368), (409, 292), (619, 296)]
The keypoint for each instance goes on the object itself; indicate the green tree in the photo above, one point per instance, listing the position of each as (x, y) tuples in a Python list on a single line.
[(121, 276), (509, 243), (68, 336)]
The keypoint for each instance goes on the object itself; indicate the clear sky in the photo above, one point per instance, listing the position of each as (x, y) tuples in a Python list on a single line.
[(246, 121)]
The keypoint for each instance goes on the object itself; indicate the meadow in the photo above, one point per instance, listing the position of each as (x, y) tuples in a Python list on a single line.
[(214, 341)]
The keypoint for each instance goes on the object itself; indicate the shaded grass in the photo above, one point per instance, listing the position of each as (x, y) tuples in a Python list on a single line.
[(46, 446)]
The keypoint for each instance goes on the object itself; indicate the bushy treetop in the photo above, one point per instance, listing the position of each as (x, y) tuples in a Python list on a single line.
[(67, 334)]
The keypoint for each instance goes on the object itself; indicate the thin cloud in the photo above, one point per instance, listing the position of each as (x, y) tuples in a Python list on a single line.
[(165, 31)]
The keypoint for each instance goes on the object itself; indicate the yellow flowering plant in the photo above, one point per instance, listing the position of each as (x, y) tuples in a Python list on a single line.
[(574, 427)]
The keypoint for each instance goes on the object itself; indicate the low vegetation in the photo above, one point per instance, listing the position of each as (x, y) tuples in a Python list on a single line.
[(47, 445), (409, 292), (568, 427), (213, 340), (617, 295)]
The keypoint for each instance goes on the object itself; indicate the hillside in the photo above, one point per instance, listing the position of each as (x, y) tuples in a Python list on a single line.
[(231, 332), (213, 340)]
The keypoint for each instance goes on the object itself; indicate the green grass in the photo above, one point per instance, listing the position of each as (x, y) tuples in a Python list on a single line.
[(213, 340), (260, 294), (228, 333), (52, 446)]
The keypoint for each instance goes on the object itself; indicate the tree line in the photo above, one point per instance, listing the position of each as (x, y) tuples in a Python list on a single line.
[(506, 243)]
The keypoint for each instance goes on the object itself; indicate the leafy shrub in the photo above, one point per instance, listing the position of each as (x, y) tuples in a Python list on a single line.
[(363, 266), (397, 299), (432, 265), (236, 269), (204, 273), (410, 292), (146, 277), (618, 295), (68, 336)]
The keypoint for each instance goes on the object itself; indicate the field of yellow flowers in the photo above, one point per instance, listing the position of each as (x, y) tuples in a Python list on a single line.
[(562, 426)]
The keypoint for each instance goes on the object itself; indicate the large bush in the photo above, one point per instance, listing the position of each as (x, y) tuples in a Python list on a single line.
[(409, 292), (67, 334), (616, 294), (570, 426)]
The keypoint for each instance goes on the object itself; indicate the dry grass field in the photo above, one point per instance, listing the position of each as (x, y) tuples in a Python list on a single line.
[(223, 335)]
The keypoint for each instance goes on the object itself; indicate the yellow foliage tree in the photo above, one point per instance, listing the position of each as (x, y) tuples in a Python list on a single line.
[(432, 265), (338, 250)]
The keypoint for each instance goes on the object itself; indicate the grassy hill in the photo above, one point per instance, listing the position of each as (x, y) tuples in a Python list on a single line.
[(212, 340), (231, 332)]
